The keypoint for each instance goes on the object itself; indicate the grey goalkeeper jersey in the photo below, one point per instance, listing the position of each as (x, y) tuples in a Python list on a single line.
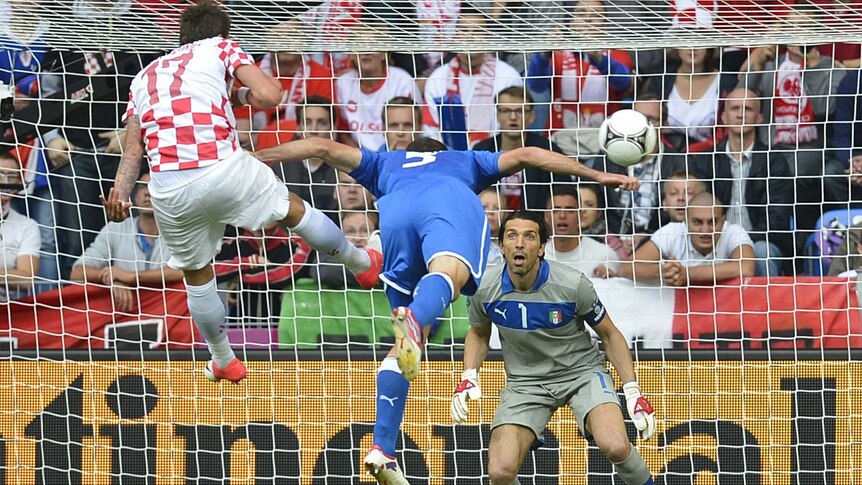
[(542, 331)]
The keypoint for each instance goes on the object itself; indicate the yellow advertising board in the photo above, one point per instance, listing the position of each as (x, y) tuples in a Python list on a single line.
[(309, 422)]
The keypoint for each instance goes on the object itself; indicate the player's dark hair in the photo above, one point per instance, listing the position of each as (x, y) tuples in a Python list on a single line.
[(426, 145), (315, 100), (537, 217), (202, 21)]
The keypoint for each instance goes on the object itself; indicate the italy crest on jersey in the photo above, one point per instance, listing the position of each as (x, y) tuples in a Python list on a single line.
[(555, 317)]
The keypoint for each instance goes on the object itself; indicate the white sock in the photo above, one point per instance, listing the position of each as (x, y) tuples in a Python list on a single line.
[(324, 236), (208, 313)]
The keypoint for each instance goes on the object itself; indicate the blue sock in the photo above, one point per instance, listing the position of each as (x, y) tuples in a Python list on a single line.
[(649, 482), (431, 298), (392, 390)]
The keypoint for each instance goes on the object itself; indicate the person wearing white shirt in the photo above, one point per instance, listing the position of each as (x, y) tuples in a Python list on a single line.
[(460, 95), (705, 249), (567, 246), (19, 235)]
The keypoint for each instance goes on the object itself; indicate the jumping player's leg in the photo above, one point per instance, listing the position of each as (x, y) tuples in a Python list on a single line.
[(324, 236), (208, 312), (442, 285), (506, 452), (392, 389)]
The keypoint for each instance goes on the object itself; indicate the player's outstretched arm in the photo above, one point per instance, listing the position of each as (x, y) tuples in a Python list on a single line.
[(617, 351), (516, 160), (117, 205), (260, 90), (337, 155)]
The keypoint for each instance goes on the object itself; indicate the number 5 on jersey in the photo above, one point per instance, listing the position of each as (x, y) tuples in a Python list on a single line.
[(424, 159)]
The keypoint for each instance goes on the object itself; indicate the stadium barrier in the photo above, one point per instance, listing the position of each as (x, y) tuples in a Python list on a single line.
[(128, 419), (755, 313)]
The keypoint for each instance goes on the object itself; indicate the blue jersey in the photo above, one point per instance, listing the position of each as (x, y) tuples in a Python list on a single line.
[(383, 173), (428, 208)]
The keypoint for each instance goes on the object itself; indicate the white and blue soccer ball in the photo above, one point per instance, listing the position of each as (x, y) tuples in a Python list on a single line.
[(627, 137)]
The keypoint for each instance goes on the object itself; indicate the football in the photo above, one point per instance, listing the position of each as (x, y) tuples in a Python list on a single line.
[(627, 137)]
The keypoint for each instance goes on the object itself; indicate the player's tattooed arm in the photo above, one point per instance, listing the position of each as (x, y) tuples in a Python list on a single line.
[(130, 164), (117, 204), (337, 155)]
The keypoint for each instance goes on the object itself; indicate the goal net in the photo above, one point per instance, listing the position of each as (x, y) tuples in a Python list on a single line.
[(741, 305)]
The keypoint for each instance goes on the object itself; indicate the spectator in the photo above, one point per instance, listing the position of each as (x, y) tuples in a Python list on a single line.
[(129, 254), (530, 187), (631, 213), (592, 219), (567, 245), (586, 86), (23, 50), (363, 93), (460, 94), (19, 235), (84, 152), (301, 78), (756, 182), (493, 204), (403, 120), (702, 251), (357, 227), (797, 85), (351, 196), (259, 263), (848, 257), (677, 191), (312, 180), (847, 128), (693, 92)]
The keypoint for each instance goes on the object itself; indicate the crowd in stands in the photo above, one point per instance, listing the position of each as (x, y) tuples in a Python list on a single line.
[(756, 144)]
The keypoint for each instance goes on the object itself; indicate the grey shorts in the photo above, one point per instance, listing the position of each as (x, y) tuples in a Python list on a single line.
[(531, 405)]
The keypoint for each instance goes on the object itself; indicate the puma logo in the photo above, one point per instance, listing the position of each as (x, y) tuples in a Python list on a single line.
[(501, 312), (390, 400)]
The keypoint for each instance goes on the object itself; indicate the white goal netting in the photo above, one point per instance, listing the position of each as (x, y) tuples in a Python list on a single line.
[(743, 311)]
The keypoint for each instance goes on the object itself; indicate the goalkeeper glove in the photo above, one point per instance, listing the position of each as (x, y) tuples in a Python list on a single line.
[(467, 390), (640, 410)]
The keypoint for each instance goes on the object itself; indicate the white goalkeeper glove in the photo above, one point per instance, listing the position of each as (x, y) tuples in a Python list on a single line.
[(640, 410), (467, 390)]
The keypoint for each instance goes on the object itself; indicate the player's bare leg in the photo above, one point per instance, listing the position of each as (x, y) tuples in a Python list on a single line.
[(605, 423), (207, 310), (325, 237), (507, 450), (432, 295)]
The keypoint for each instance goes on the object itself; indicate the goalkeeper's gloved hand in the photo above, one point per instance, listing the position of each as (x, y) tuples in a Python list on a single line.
[(467, 390), (640, 410)]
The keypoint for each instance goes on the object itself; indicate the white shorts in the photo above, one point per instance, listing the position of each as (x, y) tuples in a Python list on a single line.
[(239, 190)]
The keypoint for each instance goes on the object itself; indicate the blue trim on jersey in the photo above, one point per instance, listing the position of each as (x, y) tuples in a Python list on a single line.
[(528, 315), (544, 273)]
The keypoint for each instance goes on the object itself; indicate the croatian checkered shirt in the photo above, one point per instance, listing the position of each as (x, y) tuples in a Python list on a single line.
[(183, 102)]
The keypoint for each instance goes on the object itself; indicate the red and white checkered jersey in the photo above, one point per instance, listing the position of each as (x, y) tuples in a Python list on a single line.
[(183, 102)]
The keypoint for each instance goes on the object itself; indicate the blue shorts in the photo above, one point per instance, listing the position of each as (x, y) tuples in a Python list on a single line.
[(424, 222)]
